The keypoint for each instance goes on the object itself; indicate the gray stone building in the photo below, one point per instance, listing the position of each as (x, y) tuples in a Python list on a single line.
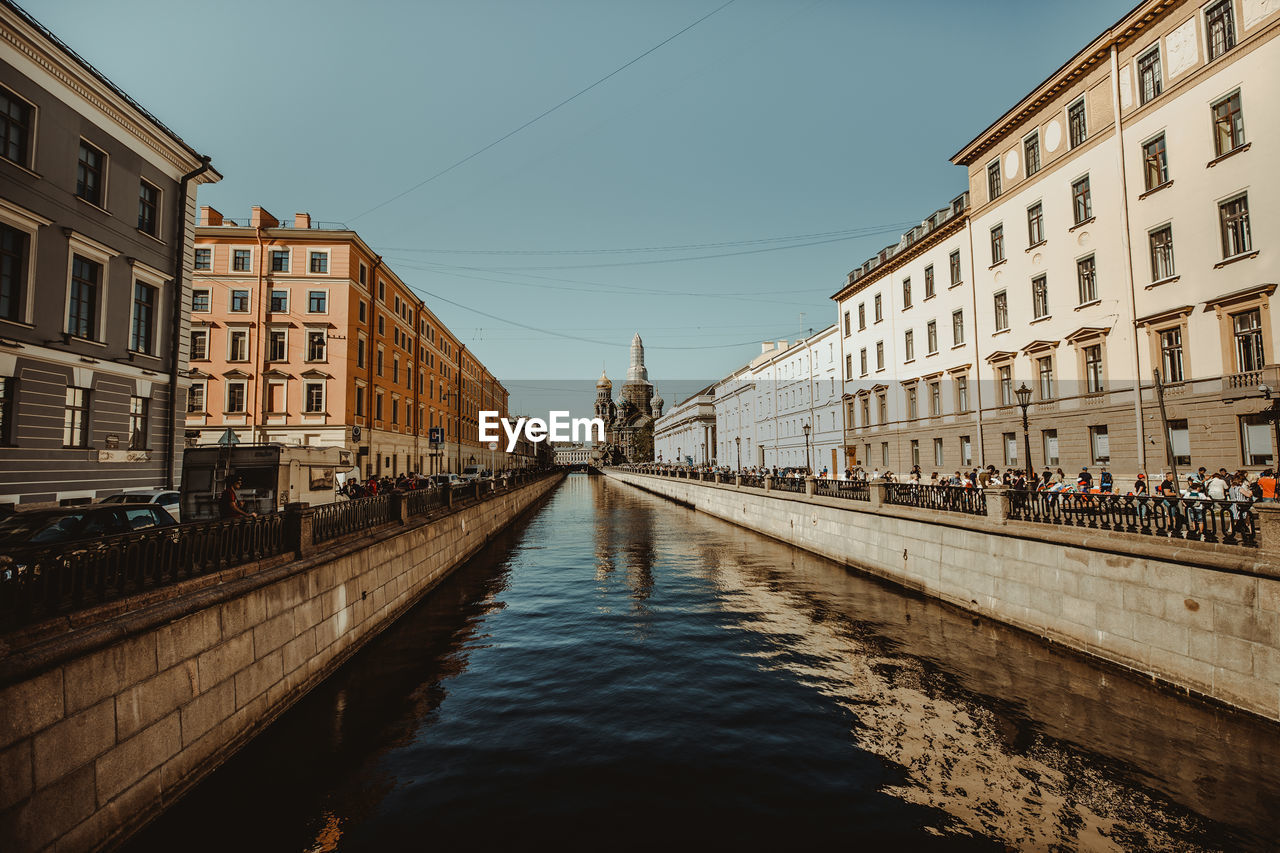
[(97, 207)]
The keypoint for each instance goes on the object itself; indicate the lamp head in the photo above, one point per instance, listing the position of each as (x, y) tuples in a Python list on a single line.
[(1024, 395)]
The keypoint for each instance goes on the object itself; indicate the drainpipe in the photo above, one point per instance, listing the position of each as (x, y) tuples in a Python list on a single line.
[(259, 351), (175, 327), (462, 352), (372, 350), (1128, 260), (977, 354)]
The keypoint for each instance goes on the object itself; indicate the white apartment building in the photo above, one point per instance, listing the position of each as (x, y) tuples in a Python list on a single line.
[(735, 400), (686, 435), (799, 386)]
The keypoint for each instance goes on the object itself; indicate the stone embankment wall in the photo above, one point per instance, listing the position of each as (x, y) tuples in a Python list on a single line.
[(104, 726), (1203, 618)]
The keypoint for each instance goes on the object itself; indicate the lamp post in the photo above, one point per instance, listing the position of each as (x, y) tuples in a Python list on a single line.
[(1024, 400), (737, 439), (808, 468)]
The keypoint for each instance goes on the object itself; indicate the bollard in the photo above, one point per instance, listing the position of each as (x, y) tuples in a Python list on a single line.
[(399, 507), (810, 485), (737, 481), (997, 504), (298, 521), (1268, 525), (876, 490), (768, 482)]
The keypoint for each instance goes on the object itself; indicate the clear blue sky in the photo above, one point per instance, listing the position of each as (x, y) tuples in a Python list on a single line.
[(771, 118)]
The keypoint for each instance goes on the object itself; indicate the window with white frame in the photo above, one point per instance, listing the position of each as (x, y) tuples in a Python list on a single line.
[(955, 268), (196, 398), (318, 302), (1093, 372), (313, 397), (1035, 224), (317, 345), (1031, 153), (1228, 124), (239, 302), (957, 327), (1220, 28), (993, 180), (1044, 373), (1001, 307), (15, 269), (931, 336), (278, 345), (1234, 218), (91, 174), (1040, 297), (1087, 280), (1004, 381), (1161, 240), (238, 345), (1049, 439), (1099, 445), (1255, 440), (139, 412), (1081, 201), (241, 260), (236, 399), (1009, 441), (1150, 83), (279, 301), (879, 355), (17, 128), (997, 243), (279, 260), (1077, 123), (909, 345), (937, 452), (203, 259), (962, 393), (75, 417), (1155, 163), (1171, 354), (142, 330), (199, 345), (319, 263), (148, 208), (1180, 441), (83, 301)]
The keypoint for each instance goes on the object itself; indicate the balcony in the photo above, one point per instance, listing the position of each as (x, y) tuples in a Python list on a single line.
[(1262, 384)]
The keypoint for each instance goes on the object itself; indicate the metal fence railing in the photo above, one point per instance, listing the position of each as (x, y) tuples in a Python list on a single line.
[(942, 498), (1200, 519), (346, 517), (854, 490), (788, 484)]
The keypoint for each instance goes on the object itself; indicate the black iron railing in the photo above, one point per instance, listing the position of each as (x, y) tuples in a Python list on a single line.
[(943, 498), (854, 490), (788, 484), (45, 580), (342, 519), (1199, 519), (752, 481)]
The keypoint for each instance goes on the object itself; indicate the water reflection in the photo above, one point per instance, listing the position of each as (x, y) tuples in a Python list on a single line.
[(625, 672)]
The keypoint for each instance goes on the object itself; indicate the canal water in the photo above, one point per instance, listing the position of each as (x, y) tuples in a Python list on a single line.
[(621, 672)]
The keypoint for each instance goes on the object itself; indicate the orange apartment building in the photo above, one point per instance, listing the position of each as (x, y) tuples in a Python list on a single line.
[(300, 334)]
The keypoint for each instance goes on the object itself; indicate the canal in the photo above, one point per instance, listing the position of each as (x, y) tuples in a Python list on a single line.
[(621, 672)]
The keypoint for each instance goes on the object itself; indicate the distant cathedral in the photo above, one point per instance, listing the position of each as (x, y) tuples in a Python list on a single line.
[(629, 422)]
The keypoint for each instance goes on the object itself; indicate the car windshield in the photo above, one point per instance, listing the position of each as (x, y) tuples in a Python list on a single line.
[(127, 499)]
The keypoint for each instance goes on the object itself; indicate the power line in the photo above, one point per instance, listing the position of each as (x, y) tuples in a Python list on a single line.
[(542, 115)]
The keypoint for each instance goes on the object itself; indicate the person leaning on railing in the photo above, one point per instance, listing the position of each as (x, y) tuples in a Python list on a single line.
[(229, 505)]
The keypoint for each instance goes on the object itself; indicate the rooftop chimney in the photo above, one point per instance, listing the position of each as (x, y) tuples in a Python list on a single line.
[(209, 216), (766, 346), (302, 220), (259, 218)]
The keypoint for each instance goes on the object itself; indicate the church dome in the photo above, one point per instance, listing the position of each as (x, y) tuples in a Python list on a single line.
[(657, 399), (604, 381)]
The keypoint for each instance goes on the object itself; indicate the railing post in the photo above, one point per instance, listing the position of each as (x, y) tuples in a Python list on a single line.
[(737, 481), (768, 482), (298, 532), (997, 504), (448, 494), (1268, 532), (810, 485), (399, 508), (875, 491)]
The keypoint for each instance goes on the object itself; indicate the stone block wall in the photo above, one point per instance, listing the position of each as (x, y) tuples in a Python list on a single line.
[(1203, 618), (98, 737)]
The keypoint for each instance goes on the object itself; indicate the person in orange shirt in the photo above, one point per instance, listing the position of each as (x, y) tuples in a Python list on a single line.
[(1267, 485)]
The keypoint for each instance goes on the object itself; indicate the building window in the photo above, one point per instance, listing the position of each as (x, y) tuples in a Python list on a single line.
[(199, 344), (142, 333), (1228, 125), (862, 316), (277, 345), (884, 453), (879, 355), (957, 327), (360, 345), (239, 302), (862, 356), (82, 313), (313, 398), (382, 291), (848, 366), (6, 409), (195, 398), (1035, 224), (279, 260), (320, 263), (847, 329), (204, 258), (1009, 441), (1040, 296), (236, 396), (909, 345), (1049, 439), (879, 308), (1149, 82), (90, 173), (928, 282), (915, 451), (238, 345), (866, 412), (1004, 379), (382, 324), (148, 209), (318, 302), (1155, 160), (993, 180), (906, 293), (1255, 440), (380, 360), (1234, 216), (14, 248), (1044, 370), (1220, 28), (1162, 253), (1081, 200), (316, 344), (1246, 328), (1031, 152), (138, 410), (1002, 311), (962, 393), (363, 311), (1171, 354), (935, 399), (1077, 128), (75, 418), (279, 301), (1087, 278), (1180, 441), (15, 128), (1099, 445), (913, 410), (1093, 369), (955, 268), (931, 336), (997, 244), (241, 260), (966, 451)]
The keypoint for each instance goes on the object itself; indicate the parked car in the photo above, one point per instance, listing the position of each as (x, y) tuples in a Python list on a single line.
[(164, 498), (76, 523), (439, 480), (471, 473)]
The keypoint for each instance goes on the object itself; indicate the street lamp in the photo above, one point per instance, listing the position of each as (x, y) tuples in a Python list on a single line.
[(808, 468), (1024, 400), (737, 439)]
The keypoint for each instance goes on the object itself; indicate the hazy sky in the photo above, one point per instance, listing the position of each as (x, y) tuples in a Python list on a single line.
[(769, 119)]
